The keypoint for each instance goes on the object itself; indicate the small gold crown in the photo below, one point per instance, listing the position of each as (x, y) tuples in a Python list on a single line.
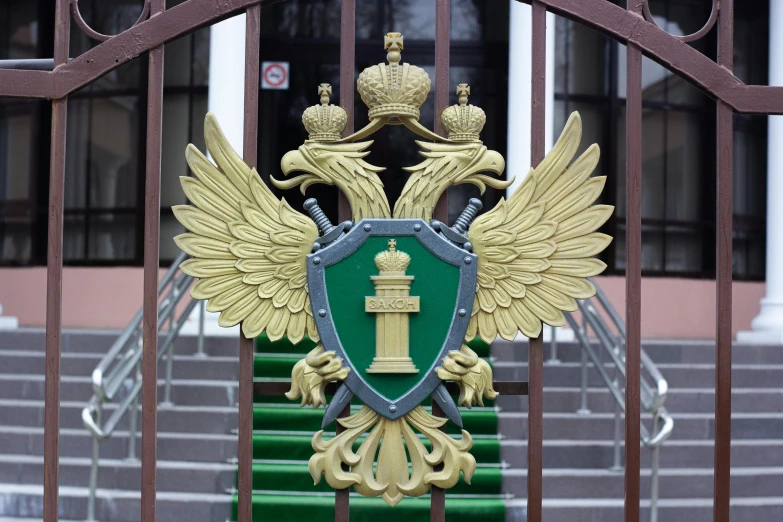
[(393, 88), (324, 122), (463, 122), (392, 261)]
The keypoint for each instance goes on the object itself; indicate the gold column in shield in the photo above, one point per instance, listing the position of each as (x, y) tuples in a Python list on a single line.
[(392, 303)]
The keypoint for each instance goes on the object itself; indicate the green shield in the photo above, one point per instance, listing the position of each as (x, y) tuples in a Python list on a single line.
[(435, 283)]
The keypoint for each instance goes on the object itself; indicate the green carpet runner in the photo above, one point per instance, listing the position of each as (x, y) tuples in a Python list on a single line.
[(283, 489)]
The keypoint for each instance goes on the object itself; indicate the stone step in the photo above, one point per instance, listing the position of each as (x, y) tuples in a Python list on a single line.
[(123, 474), (186, 392), (677, 483), (679, 401), (223, 393), (193, 447), (680, 351), (114, 505), (676, 375), (99, 342), (83, 364), (600, 426), (189, 425), (599, 454), (585, 509), (188, 419)]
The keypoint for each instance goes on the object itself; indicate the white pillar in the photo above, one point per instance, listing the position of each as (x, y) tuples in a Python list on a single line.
[(767, 327), (519, 90), (519, 96), (519, 93), (226, 100), (8, 323)]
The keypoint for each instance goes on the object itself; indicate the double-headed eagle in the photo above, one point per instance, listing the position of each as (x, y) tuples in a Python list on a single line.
[(249, 249)]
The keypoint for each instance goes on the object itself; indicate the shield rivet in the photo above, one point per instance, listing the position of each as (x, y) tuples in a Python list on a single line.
[(462, 312), (322, 312), (317, 260), (367, 227), (417, 227), (392, 408), (467, 260)]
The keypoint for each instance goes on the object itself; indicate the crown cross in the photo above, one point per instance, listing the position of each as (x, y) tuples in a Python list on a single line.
[(393, 42), (324, 91), (463, 91), (392, 245)]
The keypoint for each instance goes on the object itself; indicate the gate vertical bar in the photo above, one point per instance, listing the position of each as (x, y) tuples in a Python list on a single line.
[(723, 261), (247, 346), (442, 59), (149, 392), (342, 508), (535, 418), (54, 273), (441, 212), (347, 86), (438, 495), (633, 273), (442, 63)]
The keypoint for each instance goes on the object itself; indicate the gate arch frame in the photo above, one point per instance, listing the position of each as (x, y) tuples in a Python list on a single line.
[(627, 26), (621, 25)]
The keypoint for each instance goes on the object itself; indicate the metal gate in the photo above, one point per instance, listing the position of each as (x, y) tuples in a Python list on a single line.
[(56, 80)]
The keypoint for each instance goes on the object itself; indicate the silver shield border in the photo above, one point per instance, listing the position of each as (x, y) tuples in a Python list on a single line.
[(341, 249)]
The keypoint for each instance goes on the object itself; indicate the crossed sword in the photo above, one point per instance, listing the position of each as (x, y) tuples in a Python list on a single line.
[(455, 235)]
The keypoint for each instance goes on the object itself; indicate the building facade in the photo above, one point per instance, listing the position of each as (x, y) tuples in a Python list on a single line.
[(103, 242)]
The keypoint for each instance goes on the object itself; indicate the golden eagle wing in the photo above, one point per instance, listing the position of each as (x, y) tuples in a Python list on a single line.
[(535, 250), (248, 248)]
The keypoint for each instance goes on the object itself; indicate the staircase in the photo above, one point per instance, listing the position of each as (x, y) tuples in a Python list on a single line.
[(578, 449), (197, 440), (282, 485)]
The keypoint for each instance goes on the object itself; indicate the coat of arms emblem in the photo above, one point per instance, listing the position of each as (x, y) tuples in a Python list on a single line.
[(392, 297)]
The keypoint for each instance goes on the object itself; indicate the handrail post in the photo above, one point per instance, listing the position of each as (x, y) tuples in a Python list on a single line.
[(170, 349), (617, 464), (96, 449), (583, 409), (201, 317), (133, 420), (654, 465), (553, 347)]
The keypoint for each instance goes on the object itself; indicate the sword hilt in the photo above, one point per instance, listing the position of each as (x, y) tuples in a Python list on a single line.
[(466, 218), (321, 221)]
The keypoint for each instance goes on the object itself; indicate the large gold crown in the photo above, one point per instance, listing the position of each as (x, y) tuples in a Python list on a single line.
[(394, 88), (463, 122), (324, 122), (392, 261)]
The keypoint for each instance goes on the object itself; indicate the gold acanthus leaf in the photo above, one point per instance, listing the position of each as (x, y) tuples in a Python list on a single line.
[(248, 248), (445, 165), (393, 478), (310, 376), (342, 165), (472, 374), (536, 250)]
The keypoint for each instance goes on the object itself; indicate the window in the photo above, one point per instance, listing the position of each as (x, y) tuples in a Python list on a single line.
[(678, 149), (105, 156)]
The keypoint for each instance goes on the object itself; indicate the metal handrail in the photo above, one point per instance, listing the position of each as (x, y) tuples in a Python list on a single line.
[(118, 374), (610, 339)]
